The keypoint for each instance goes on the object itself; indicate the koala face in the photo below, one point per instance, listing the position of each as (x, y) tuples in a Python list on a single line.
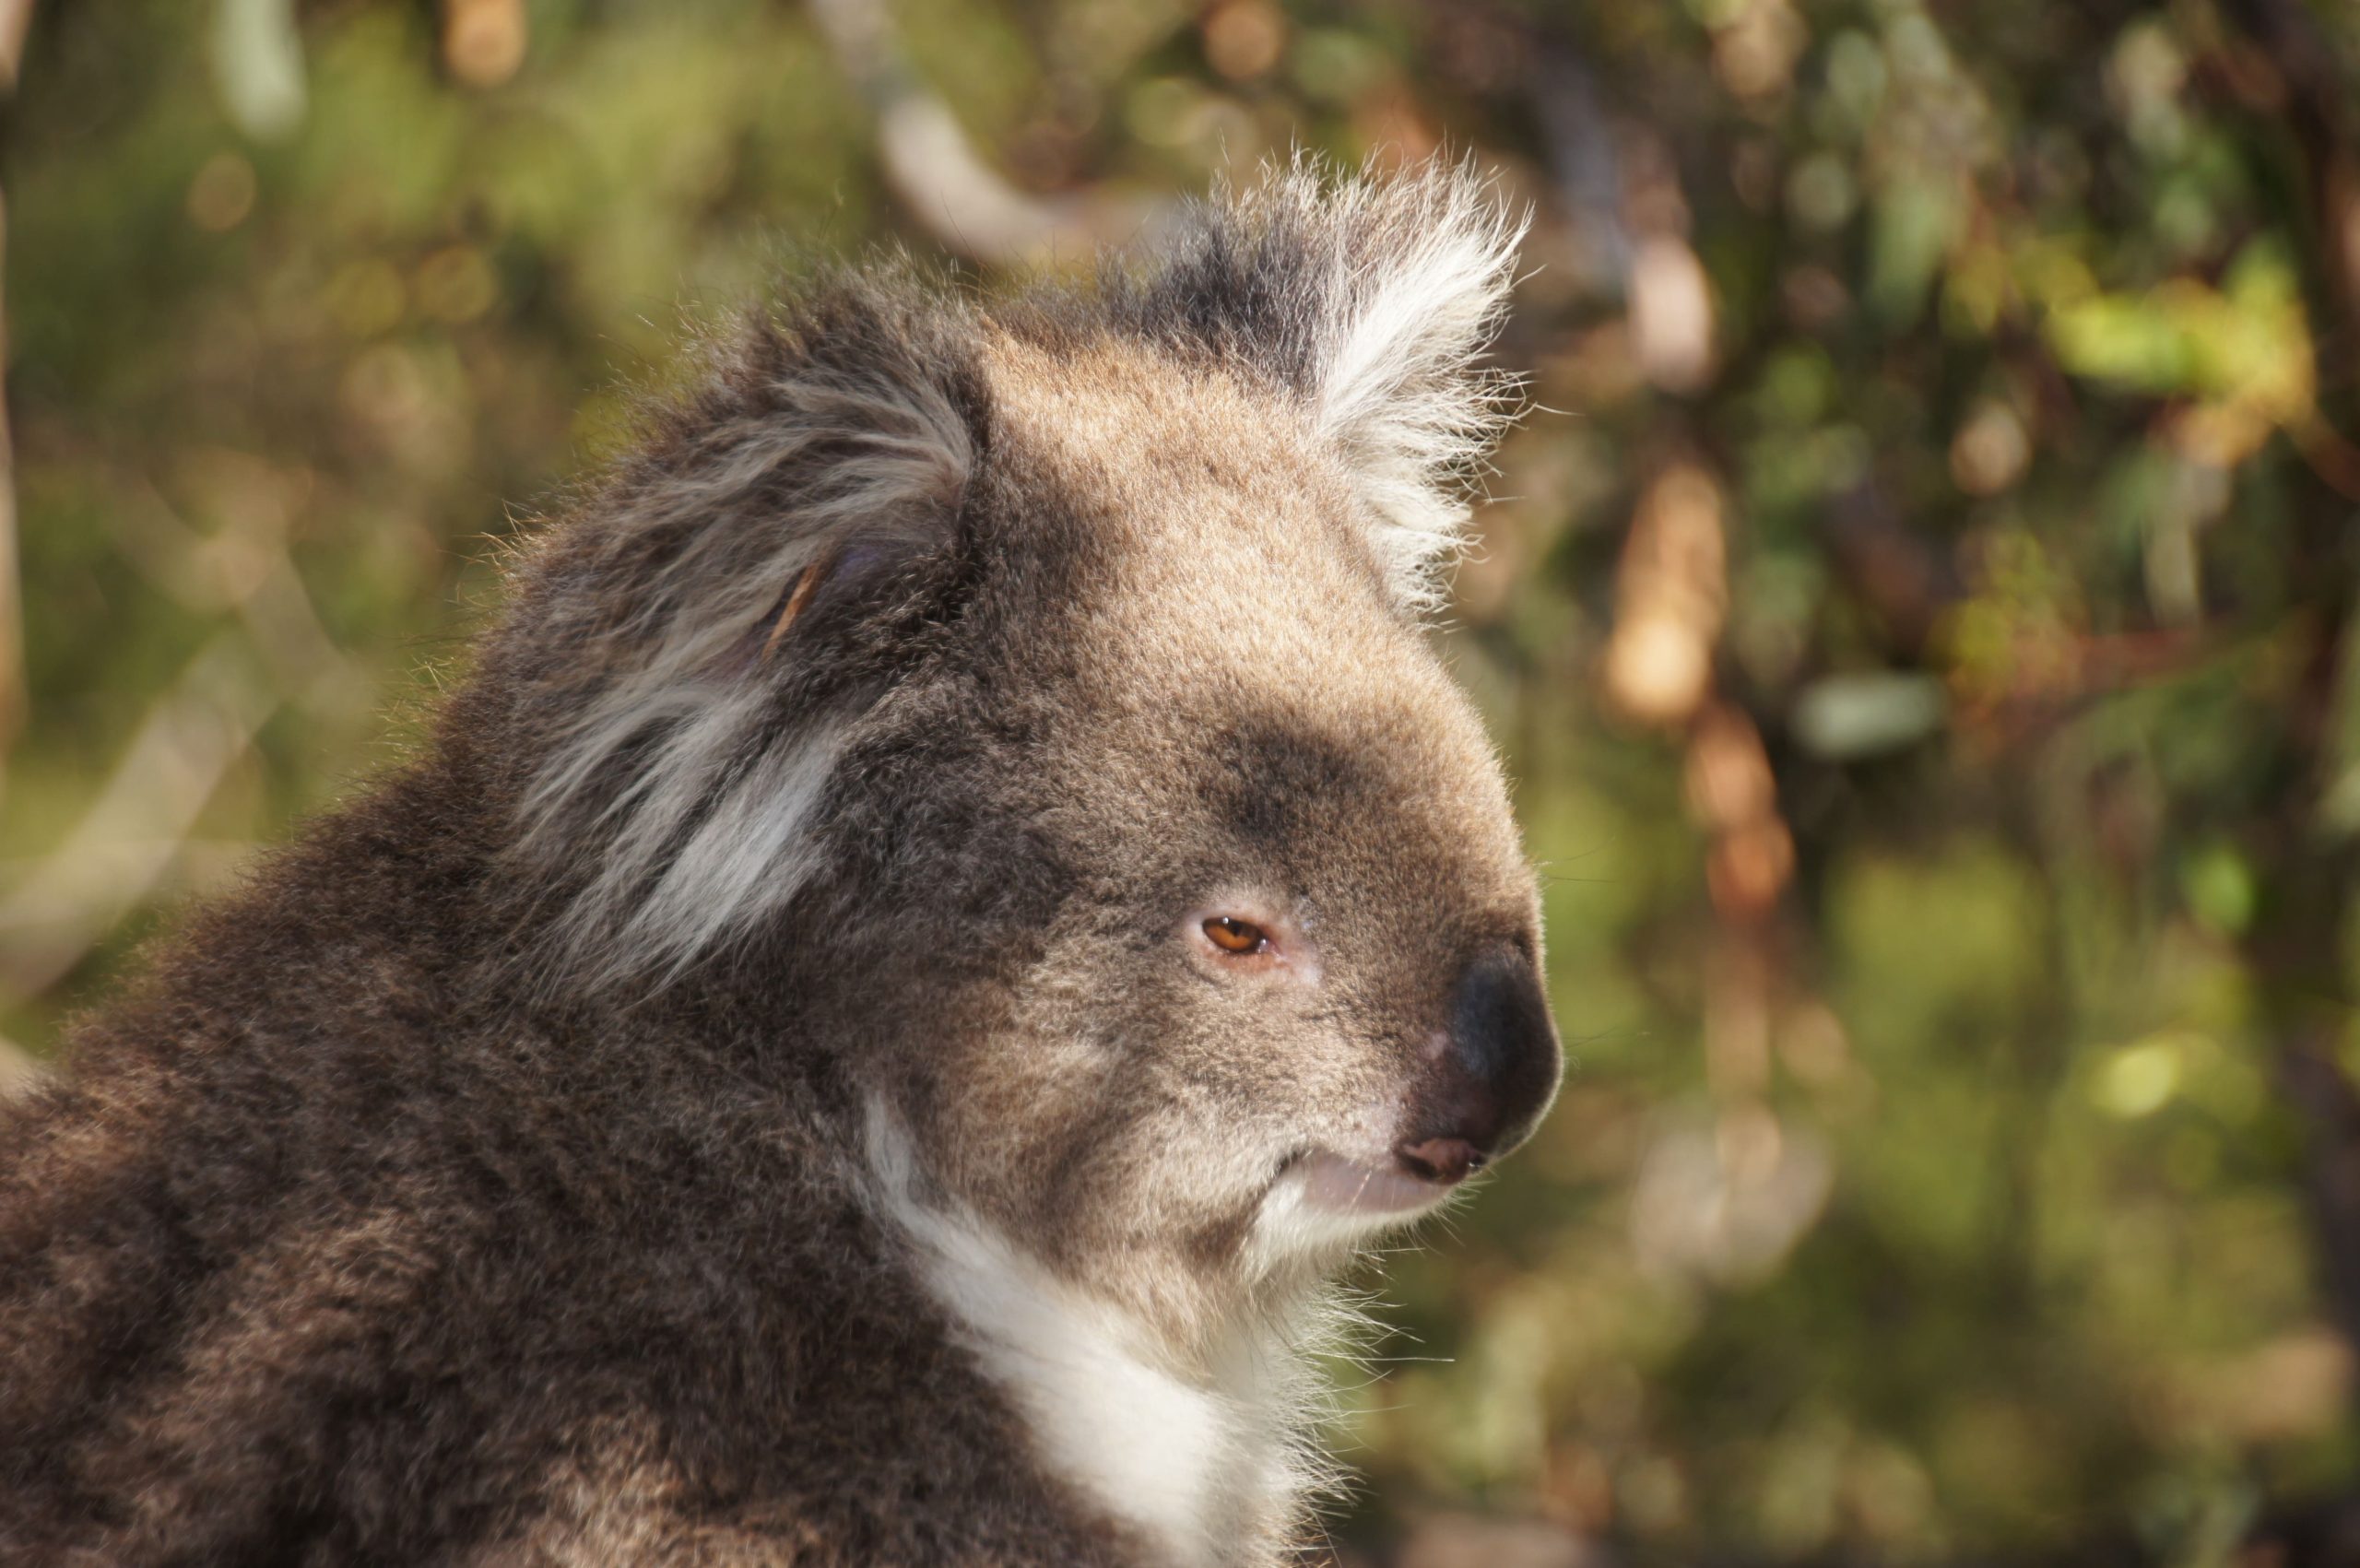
[(1029, 701), (1289, 991)]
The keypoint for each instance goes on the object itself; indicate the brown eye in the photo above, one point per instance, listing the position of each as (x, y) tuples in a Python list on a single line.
[(1234, 936)]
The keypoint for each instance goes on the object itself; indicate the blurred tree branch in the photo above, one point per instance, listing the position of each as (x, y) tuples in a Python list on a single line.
[(2312, 102), (2319, 1088), (933, 167), (484, 40), (2299, 946), (137, 826), (16, 18), (2288, 72)]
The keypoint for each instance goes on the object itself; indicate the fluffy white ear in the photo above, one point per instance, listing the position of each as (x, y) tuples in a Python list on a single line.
[(1372, 298)]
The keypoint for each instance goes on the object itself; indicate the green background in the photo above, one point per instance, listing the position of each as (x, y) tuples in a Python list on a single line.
[(1915, 611)]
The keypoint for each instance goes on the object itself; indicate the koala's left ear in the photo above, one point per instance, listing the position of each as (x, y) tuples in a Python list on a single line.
[(684, 661), (1371, 299)]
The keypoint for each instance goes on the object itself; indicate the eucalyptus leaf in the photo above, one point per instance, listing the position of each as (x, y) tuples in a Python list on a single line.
[(1846, 716), (258, 67)]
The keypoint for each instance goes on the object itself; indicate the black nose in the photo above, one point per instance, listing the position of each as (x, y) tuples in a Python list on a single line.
[(1494, 1079)]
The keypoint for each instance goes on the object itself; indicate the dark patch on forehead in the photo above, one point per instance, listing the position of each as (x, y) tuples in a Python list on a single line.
[(1274, 780)]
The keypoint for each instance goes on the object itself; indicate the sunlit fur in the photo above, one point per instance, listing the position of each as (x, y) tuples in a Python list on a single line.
[(1369, 302), (753, 1088)]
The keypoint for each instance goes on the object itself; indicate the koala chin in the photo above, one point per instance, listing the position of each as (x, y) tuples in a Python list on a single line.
[(956, 895)]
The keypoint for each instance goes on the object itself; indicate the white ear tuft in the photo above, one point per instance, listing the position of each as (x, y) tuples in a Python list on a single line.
[(1427, 265), (1373, 297)]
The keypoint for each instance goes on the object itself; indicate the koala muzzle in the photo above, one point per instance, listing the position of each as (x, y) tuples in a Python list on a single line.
[(1495, 1079)]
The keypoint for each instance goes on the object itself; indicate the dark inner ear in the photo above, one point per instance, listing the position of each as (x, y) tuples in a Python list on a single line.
[(792, 603), (844, 582), (862, 603), (886, 497)]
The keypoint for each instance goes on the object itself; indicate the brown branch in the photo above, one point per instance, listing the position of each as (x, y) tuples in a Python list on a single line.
[(15, 701), (16, 18), (16, 21), (933, 167), (137, 828), (2296, 948), (2324, 1096), (2291, 44)]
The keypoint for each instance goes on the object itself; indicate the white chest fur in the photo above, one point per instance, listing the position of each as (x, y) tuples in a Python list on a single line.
[(1206, 1472)]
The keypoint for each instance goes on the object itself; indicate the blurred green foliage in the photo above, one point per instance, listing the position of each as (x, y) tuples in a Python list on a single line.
[(1921, 644)]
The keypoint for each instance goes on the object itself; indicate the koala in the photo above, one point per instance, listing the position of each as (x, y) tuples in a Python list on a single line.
[(955, 897)]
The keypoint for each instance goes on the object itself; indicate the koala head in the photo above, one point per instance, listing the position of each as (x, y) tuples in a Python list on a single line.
[(1029, 700)]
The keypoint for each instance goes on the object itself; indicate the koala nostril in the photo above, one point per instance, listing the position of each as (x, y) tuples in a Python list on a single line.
[(1445, 1159)]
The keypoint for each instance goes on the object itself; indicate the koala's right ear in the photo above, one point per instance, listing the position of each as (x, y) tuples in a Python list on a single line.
[(1372, 299), (692, 652)]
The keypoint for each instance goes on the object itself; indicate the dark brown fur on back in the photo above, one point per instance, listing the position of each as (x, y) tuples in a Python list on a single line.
[(328, 1253)]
